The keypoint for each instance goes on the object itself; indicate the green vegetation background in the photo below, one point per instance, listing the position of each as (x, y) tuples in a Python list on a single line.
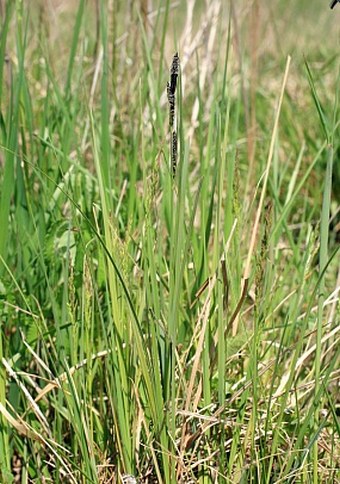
[(174, 329)]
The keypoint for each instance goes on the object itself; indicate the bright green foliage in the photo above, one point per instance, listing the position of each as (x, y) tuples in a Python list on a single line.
[(178, 327)]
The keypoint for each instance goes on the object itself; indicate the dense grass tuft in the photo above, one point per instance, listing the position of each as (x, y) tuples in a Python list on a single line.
[(169, 242)]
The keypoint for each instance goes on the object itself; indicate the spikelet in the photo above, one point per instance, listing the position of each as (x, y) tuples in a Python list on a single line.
[(171, 94), (174, 153), (174, 73), (171, 101)]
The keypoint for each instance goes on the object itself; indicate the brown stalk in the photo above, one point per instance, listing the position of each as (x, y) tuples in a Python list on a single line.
[(253, 239)]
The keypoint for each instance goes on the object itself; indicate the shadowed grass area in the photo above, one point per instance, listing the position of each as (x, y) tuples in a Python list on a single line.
[(169, 295)]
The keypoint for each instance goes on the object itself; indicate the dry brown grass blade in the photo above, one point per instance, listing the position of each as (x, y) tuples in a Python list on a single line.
[(203, 319), (17, 423), (142, 422), (33, 404), (300, 362), (63, 377), (204, 427), (25, 430), (247, 269)]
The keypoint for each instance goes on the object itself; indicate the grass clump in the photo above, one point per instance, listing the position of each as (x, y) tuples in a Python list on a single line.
[(169, 264)]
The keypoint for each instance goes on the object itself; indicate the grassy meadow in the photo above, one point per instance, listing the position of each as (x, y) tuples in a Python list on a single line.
[(169, 284)]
